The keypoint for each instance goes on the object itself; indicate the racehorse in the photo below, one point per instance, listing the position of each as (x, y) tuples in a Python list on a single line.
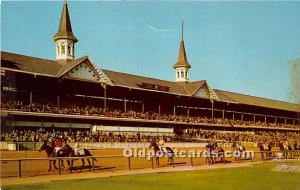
[(286, 148), (70, 152), (265, 149), (168, 152), (49, 148), (67, 151), (239, 148), (213, 152)]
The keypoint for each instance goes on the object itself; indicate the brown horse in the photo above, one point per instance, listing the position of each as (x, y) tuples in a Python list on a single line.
[(49, 148)]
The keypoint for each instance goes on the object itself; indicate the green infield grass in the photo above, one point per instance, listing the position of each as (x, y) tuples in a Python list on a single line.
[(255, 177)]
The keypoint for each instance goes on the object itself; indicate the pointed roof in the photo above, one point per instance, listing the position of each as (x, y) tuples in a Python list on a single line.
[(65, 27), (182, 58)]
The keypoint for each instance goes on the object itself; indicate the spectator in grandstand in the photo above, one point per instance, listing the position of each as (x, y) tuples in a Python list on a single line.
[(91, 110)]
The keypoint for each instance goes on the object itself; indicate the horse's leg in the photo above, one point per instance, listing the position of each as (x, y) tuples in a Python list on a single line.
[(285, 154), (71, 165), (50, 162), (68, 163), (62, 164), (89, 164), (54, 164)]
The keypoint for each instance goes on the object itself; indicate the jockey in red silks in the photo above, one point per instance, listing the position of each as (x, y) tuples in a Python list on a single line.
[(58, 144)]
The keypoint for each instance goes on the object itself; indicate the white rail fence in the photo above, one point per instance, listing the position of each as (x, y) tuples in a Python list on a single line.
[(294, 154), (113, 145)]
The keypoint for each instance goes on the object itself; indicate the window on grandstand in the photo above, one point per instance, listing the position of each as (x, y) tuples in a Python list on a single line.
[(182, 74), (177, 74)]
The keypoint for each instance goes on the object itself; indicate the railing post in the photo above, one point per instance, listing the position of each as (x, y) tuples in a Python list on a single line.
[(173, 162), (59, 167), (152, 162), (93, 165), (20, 168), (129, 163), (192, 163)]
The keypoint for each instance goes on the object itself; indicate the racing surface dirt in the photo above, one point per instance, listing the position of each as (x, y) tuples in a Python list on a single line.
[(40, 167)]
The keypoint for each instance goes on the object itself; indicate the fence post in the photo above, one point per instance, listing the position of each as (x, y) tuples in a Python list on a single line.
[(173, 162), (93, 165), (152, 162), (129, 163), (192, 163), (20, 168), (58, 166)]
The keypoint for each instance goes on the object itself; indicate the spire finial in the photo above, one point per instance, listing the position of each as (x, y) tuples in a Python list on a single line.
[(65, 2), (182, 27)]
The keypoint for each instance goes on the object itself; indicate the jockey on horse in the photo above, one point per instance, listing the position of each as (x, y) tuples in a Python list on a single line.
[(78, 151), (61, 148), (161, 145)]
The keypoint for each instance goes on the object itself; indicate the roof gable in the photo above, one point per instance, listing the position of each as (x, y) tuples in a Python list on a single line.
[(204, 91), (84, 69), (192, 87)]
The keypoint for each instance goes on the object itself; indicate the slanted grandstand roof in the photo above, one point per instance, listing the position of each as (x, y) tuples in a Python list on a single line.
[(134, 81), (29, 64), (38, 66), (256, 101)]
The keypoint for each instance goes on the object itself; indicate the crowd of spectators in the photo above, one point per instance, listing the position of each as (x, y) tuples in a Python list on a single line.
[(245, 136), (81, 136), (96, 111), (187, 135)]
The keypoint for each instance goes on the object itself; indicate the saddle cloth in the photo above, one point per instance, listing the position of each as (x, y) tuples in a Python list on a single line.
[(79, 152)]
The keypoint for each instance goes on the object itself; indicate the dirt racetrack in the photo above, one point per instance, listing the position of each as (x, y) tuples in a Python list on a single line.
[(40, 167)]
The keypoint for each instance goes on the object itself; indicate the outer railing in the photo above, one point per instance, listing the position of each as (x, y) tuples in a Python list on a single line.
[(115, 145), (293, 154)]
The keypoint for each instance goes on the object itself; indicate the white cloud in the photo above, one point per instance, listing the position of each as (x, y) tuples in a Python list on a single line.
[(155, 29)]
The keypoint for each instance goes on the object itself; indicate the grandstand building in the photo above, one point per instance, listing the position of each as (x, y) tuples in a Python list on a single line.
[(64, 93)]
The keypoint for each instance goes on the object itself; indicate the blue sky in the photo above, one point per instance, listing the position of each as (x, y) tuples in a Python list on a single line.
[(243, 47)]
